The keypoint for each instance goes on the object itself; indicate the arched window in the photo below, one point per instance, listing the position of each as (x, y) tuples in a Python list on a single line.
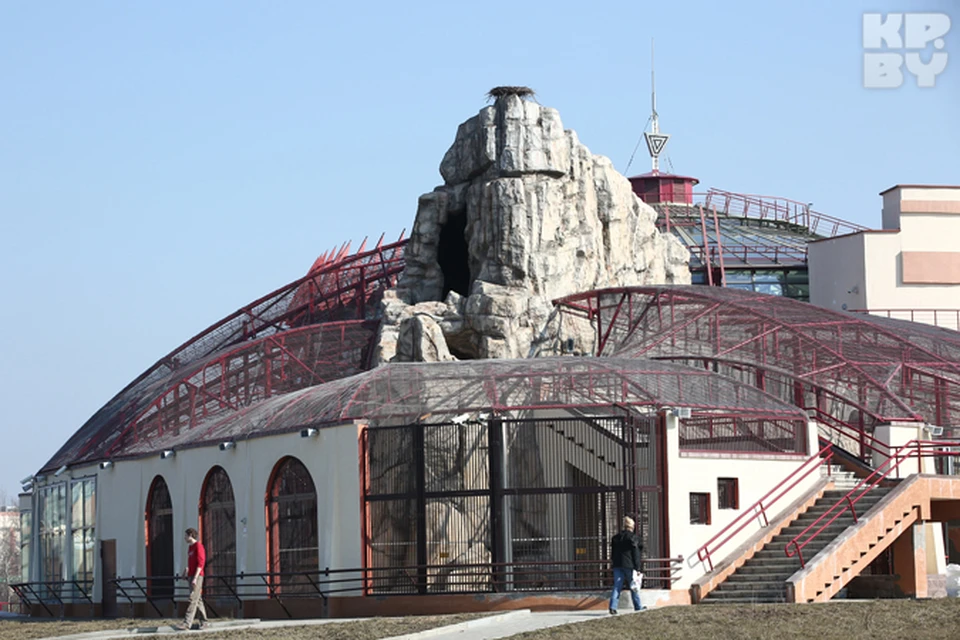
[(159, 517), (218, 531), (292, 545)]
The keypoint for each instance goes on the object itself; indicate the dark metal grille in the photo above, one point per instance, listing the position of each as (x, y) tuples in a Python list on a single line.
[(735, 434), (160, 539), (506, 504), (218, 528), (292, 523)]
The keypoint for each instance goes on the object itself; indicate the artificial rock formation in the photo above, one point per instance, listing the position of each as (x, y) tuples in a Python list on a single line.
[(526, 214)]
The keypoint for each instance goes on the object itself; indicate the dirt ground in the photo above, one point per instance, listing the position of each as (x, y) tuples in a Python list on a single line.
[(372, 629), (900, 619)]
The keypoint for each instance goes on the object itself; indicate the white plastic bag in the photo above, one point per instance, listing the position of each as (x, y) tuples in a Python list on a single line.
[(636, 582), (953, 580)]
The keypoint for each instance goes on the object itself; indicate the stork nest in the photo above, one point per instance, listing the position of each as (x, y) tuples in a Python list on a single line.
[(523, 93)]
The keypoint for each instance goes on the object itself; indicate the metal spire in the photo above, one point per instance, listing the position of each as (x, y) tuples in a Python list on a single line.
[(656, 141)]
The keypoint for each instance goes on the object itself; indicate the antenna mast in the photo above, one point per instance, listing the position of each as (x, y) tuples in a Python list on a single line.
[(656, 141)]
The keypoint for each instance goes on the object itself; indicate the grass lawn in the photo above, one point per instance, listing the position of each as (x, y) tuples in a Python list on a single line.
[(900, 619), (372, 629)]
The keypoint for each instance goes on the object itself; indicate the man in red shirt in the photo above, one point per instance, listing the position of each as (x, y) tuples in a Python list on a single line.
[(196, 558)]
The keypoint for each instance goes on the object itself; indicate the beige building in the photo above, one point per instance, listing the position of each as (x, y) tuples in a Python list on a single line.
[(909, 269)]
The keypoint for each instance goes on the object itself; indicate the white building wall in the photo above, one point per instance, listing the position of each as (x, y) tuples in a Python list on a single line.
[(331, 458), (913, 264), (698, 473)]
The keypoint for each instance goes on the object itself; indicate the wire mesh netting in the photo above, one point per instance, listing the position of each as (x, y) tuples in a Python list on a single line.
[(500, 505), (230, 355), (859, 369)]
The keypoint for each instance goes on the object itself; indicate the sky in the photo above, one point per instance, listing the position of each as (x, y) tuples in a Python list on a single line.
[(164, 163)]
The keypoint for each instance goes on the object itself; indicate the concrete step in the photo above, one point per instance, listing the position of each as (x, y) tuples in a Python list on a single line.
[(773, 595), (773, 586), (746, 600), (773, 577)]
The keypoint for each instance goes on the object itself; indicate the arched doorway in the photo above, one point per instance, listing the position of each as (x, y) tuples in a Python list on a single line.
[(292, 541), (159, 536), (218, 531)]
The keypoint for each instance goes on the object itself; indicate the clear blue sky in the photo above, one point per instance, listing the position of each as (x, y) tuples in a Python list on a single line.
[(162, 164)]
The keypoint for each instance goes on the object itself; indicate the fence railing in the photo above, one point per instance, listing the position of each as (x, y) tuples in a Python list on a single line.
[(516, 577), (947, 318), (55, 593), (759, 510), (918, 449)]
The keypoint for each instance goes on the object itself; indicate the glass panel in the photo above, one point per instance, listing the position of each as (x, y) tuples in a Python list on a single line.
[(739, 276), (26, 533), (78, 555), (76, 511), (768, 276), (90, 502)]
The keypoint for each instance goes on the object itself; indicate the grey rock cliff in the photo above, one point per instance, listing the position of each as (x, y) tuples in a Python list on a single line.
[(526, 214)]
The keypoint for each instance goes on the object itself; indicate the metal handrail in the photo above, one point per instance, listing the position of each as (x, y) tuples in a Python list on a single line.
[(760, 507), (864, 439), (914, 448)]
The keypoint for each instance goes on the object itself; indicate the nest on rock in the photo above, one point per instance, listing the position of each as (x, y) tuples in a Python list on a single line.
[(502, 92)]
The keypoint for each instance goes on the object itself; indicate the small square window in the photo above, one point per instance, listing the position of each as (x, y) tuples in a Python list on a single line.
[(728, 493), (699, 508)]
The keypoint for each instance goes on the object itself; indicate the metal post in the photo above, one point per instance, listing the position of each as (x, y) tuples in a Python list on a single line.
[(498, 542), (420, 470)]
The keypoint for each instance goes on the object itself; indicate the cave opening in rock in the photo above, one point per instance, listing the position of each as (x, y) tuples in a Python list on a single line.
[(453, 255)]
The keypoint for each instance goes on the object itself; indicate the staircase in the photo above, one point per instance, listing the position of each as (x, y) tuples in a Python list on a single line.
[(763, 577)]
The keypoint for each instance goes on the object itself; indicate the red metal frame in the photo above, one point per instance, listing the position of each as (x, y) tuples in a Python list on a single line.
[(886, 369), (918, 449), (339, 287), (760, 507)]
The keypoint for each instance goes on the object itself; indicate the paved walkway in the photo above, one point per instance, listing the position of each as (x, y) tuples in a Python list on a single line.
[(501, 625)]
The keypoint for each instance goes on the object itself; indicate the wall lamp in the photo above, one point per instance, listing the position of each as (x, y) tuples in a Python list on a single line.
[(309, 433), (169, 453), (106, 464), (226, 446)]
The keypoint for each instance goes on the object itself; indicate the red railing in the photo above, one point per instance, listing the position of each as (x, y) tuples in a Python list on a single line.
[(868, 444), (918, 449), (767, 208), (760, 507), (948, 318)]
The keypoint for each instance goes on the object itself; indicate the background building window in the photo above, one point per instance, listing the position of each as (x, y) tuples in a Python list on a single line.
[(83, 518), (218, 529), (699, 508), (728, 493), (292, 524)]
